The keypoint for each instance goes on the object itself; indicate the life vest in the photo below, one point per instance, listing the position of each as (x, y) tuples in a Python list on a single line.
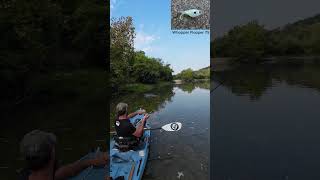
[(126, 143)]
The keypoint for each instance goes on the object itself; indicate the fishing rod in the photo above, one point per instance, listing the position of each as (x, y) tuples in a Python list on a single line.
[(220, 83), (223, 81)]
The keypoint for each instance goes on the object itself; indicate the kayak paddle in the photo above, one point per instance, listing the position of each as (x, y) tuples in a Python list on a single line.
[(174, 126)]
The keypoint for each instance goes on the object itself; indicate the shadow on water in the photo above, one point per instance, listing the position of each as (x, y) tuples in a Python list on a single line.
[(266, 122)]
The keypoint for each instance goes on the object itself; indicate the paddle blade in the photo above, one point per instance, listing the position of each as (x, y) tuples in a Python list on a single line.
[(175, 126)]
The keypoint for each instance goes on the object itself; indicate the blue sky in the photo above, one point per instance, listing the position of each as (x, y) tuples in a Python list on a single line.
[(154, 35)]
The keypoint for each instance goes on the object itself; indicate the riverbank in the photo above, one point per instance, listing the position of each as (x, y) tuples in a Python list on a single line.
[(225, 63), (57, 87), (180, 81), (139, 88)]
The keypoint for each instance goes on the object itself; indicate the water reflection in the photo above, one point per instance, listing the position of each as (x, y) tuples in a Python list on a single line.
[(254, 81), (266, 122), (155, 99), (187, 150), (189, 87), (150, 101)]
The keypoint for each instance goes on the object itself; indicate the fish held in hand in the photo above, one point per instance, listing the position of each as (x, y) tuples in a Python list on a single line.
[(191, 13)]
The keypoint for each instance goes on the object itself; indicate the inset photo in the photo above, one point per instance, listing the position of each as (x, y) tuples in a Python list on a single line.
[(190, 14)]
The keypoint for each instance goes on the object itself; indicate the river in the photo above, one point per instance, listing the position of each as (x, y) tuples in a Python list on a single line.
[(186, 151), (266, 122)]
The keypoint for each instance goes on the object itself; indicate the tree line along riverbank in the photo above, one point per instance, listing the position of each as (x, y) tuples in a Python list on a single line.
[(252, 42), (47, 45)]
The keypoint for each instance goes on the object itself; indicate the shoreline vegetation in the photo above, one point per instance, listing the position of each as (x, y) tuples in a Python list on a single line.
[(131, 70), (140, 87), (222, 64), (252, 43), (49, 46), (188, 75)]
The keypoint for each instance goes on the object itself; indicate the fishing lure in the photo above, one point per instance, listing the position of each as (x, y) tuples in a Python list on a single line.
[(191, 12)]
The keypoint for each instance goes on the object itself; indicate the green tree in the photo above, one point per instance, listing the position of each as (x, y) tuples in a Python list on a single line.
[(43, 37), (166, 73), (186, 75), (122, 36), (252, 42), (246, 42), (150, 70)]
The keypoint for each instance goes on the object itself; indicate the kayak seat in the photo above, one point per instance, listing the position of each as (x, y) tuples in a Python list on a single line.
[(124, 144)]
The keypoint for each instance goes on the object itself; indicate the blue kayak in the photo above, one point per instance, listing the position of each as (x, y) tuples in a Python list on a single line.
[(130, 165), (92, 173)]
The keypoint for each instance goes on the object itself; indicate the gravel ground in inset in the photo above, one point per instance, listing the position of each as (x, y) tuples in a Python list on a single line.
[(200, 22)]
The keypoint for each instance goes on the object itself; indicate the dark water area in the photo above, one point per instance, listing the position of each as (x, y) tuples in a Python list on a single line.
[(79, 122), (186, 151), (266, 122)]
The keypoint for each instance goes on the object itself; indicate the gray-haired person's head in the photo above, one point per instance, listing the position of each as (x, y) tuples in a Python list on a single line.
[(37, 148), (122, 109)]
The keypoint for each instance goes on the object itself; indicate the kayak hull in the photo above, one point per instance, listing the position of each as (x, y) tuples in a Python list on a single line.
[(92, 173), (130, 164)]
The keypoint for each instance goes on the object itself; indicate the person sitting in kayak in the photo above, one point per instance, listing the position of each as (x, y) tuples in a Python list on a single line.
[(124, 128), (39, 151)]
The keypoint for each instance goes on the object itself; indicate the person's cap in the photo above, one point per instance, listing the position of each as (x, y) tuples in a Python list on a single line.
[(37, 144), (121, 108)]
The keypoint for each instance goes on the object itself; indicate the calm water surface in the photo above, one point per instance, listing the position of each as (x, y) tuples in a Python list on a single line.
[(266, 123), (186, 151)]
